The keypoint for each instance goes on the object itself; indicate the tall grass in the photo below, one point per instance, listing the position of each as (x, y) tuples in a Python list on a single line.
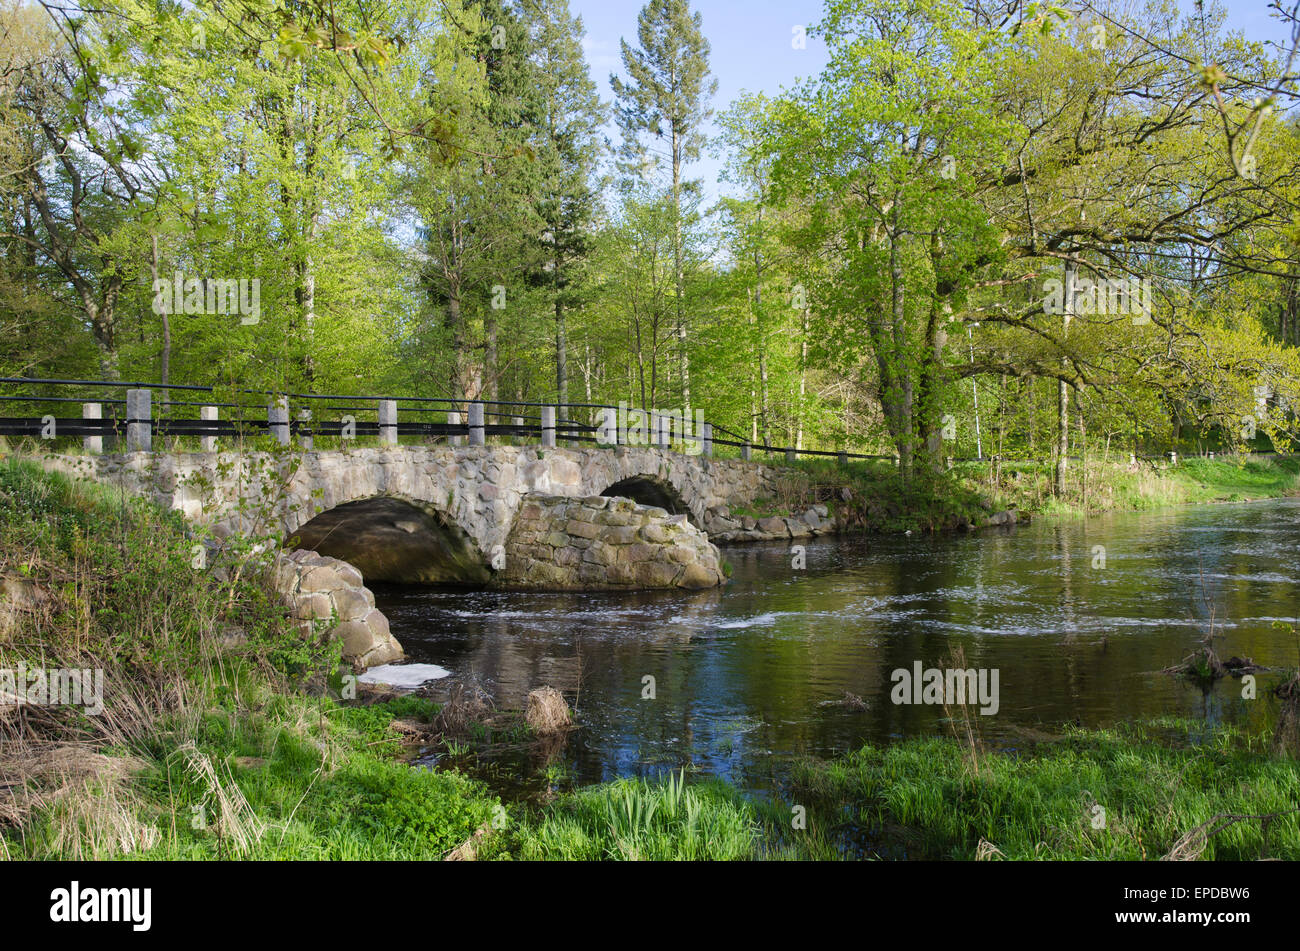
[(1093, 795), (643, 819)]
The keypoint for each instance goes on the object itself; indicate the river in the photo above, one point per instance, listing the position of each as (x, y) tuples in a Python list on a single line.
[(751, 675)]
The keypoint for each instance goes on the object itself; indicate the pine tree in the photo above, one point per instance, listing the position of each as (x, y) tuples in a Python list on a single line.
[(668, 99)]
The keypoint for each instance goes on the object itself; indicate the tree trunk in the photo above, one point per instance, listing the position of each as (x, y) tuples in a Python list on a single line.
[(803, 380), (561, 360), (166, 368), (683, 359), (905, 428), (1063, 393)]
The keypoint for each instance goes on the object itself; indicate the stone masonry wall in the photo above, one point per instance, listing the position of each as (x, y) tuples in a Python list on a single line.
[(481, 488), (317, 587), (817, 520), (563, 543)]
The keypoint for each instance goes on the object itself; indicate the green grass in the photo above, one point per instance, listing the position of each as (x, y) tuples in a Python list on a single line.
[(666, 819), (924, 799), (1212, 480)]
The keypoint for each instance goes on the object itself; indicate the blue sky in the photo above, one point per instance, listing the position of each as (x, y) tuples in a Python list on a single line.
[(752, 50)]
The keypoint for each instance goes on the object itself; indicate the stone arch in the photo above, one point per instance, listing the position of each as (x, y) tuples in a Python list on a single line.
[(394, 538), (653, 490)]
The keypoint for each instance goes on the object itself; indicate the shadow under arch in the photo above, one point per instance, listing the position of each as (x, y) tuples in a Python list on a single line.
[(652, 490), (396, 540)]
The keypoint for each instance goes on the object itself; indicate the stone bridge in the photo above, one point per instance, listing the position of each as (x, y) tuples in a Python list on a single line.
[(446, 513)]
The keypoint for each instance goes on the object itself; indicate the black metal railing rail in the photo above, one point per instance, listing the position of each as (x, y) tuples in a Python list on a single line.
[(38, 407)]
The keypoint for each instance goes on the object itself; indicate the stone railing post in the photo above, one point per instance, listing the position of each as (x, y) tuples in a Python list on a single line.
[(93, 411), (662, 429), (518, 423), (607, 427), (791, 456), (208, 414), (706, 440), (548, 427), (745, 451), (277, 418), (304, 439), (139, 425), (476, 431), (1173, 458), (453, 419), (843, 458), (388, 422)]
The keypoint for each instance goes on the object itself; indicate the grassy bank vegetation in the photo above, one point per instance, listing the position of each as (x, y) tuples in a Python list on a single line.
[(219, 737), (879, 500), (1136, 792), (1112, 486)]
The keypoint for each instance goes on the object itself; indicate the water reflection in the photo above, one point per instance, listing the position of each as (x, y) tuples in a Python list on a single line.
[(747, 677)]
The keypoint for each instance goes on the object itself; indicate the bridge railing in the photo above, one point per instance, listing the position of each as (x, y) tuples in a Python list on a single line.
[(130, 416)]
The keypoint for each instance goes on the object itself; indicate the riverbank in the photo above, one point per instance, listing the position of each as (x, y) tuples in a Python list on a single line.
[(869, 496), (224, 734), (216, 731), (1114, 487), (1134, 793)]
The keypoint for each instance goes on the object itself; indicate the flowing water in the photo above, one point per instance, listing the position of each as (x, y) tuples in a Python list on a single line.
[(751, 675)]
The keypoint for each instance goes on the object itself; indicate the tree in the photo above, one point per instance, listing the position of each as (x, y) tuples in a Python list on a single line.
[(571, 148), (667, 98), (883, 151)]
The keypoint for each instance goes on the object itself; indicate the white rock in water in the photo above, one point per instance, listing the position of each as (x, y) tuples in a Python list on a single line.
[(403, 675)]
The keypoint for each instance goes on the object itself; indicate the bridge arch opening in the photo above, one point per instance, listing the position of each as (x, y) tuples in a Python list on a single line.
[(649, 490), (395, 540)]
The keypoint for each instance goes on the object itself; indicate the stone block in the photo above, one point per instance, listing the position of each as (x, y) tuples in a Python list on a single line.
[(654, 532), (698, 576), (654, 575), (319, 578), (582, 529), (350, 603), (312, 606)]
